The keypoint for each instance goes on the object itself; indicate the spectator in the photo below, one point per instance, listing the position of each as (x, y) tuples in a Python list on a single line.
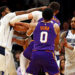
[(62, 66)]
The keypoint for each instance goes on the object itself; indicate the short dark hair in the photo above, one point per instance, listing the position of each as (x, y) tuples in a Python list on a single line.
[(47, 14), (54, 6), (2, 9)]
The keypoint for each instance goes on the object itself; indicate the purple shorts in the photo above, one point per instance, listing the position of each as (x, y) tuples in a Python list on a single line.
[(28, 52), (44, 60)]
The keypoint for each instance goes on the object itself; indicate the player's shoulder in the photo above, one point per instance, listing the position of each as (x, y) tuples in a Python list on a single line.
[(56, 26), (11, 14), (63, 34), (8, 16)]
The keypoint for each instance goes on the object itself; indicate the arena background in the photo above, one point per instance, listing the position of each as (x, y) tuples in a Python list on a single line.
[(66, 11)]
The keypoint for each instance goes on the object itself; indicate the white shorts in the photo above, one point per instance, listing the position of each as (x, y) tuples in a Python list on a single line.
[(7, 62), (2, 59), (70, 62), (69, 68)]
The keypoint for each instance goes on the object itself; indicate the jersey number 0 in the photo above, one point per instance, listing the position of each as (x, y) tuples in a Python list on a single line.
[(43, 37)]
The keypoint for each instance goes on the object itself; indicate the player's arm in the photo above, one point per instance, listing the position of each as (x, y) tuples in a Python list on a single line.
[(21, 18), (25, 17), (30, 31), (63, 41), (57, 31), (21, 34), (28, 25), (31, 27), (66, 44), (30, 10), (20, 27), (20, 42)]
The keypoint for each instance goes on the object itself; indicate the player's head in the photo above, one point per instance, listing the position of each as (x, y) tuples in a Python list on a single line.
[(73, 23), (55, 6), (47, 14), (4, 10)]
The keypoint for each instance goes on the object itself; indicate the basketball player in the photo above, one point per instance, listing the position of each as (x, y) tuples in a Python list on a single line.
[(6, 32), (70, 52), (35, 16), (5, 41), (43, 50)]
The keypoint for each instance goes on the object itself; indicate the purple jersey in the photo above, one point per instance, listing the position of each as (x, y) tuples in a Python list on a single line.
[(54, 20), (44, 36)]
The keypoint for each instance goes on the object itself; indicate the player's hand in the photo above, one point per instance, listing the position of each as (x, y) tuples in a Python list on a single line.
[(12, 24), (65, 42), (29, 32)]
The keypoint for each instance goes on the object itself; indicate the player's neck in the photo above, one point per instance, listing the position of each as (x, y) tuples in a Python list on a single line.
[(54, 14), (46, 21)]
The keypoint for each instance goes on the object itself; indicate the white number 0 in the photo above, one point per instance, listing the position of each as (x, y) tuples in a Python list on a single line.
[(43, 37)]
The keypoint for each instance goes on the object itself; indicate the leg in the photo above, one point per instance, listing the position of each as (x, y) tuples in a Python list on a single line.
[(50, 65), (34, 66), (23, 64)]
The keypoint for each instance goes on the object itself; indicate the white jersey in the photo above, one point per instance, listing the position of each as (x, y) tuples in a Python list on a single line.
[(70, 55), (6, 32), (71, 40)]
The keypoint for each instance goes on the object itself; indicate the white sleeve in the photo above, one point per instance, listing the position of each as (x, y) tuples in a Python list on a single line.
[(37, 15), (6, 19), (19, 18)]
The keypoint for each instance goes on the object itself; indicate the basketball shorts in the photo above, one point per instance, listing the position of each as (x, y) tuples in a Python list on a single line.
[(28, 52), (44, 60)]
